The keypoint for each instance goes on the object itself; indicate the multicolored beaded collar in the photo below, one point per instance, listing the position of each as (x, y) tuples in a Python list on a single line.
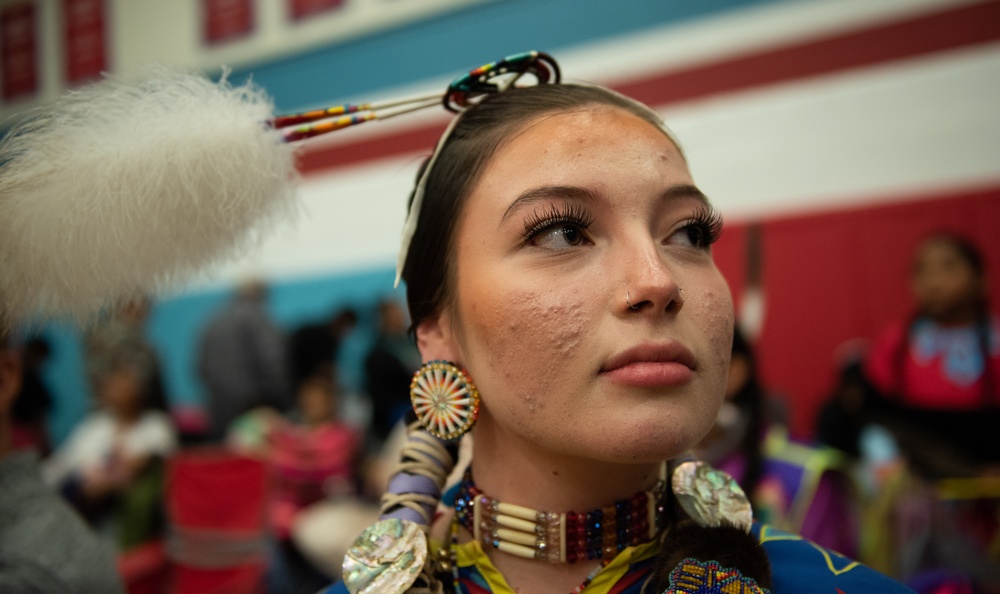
[(598, 534)]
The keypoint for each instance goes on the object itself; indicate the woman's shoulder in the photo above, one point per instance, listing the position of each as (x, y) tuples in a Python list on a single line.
[(799, 565)]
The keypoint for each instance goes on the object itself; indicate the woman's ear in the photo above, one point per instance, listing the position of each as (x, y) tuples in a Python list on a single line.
[(436, 339)]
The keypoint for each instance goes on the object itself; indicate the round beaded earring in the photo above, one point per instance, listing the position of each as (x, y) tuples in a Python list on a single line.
[(445, 399)]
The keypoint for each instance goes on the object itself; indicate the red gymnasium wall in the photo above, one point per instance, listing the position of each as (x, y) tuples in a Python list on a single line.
[(833, 276)]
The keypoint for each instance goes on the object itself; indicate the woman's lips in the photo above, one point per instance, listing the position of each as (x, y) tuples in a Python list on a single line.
[(651, 366)]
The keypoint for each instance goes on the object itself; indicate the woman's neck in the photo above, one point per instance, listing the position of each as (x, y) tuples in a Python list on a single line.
[(509, 469)]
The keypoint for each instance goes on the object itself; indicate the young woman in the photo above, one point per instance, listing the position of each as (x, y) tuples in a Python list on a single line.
[(562, 258)]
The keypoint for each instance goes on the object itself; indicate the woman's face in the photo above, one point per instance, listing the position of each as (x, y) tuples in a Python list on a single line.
[(578, 215)]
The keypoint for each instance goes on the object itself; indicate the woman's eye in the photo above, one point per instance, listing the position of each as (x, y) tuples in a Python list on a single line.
[(559, 227), (693, 234), (558, 236), (699, 232)]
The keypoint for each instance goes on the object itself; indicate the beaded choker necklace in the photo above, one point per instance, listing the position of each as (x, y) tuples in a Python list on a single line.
[(598, 534)]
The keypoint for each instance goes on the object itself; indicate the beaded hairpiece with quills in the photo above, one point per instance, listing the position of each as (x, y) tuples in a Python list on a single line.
[(463, 92)]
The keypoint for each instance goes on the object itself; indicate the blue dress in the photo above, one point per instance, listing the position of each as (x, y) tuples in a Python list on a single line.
[(798, 566)]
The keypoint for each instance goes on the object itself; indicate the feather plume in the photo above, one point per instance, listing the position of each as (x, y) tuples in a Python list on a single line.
[(125, 188)]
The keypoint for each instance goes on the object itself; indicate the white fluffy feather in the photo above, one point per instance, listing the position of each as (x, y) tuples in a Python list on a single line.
[(120, 189)]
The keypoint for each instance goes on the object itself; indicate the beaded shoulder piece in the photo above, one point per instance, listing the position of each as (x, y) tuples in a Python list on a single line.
[(692, 576)]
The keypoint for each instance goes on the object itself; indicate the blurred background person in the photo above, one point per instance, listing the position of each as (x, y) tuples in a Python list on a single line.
[(931, 451), (31, 407), (939, 370), (44, 545), (242, 360), (792, 485), (122, 332), (848, 408), (315, 462), (735, 442), (314, 347), (111, 466), (389, 368), (314, 458)]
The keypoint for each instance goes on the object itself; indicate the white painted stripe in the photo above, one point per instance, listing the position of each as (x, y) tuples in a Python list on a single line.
[(906, 128), (666, 48), (734, 33)]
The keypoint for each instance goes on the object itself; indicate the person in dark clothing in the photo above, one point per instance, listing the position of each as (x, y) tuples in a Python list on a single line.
[(242, 360), (34, 400), (313, 347), (848, 410), (389, 368)]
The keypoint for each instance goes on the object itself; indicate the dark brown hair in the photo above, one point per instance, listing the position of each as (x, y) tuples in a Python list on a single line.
[(481, 131)]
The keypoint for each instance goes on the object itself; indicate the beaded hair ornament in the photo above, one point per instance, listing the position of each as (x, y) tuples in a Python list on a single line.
[(462, 93)]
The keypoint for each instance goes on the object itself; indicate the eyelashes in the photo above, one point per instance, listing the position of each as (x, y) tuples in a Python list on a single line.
[(705, 228), (701, 230), (570, 215)]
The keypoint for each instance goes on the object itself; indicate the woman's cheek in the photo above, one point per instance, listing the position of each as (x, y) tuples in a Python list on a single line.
[(716, 312), (529, 339)]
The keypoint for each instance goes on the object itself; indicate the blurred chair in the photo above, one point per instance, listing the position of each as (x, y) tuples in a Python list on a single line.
[(216, 510)]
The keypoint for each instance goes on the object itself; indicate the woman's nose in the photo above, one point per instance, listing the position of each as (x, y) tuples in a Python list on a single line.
[(649, 283)]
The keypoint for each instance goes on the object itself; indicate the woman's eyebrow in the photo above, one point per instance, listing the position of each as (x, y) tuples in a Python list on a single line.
[(685, 191), (542, 193)]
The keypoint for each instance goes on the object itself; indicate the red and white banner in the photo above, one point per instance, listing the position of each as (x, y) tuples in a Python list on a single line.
[(86, 35), (226, 20), (19, 50), (301, 9)]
